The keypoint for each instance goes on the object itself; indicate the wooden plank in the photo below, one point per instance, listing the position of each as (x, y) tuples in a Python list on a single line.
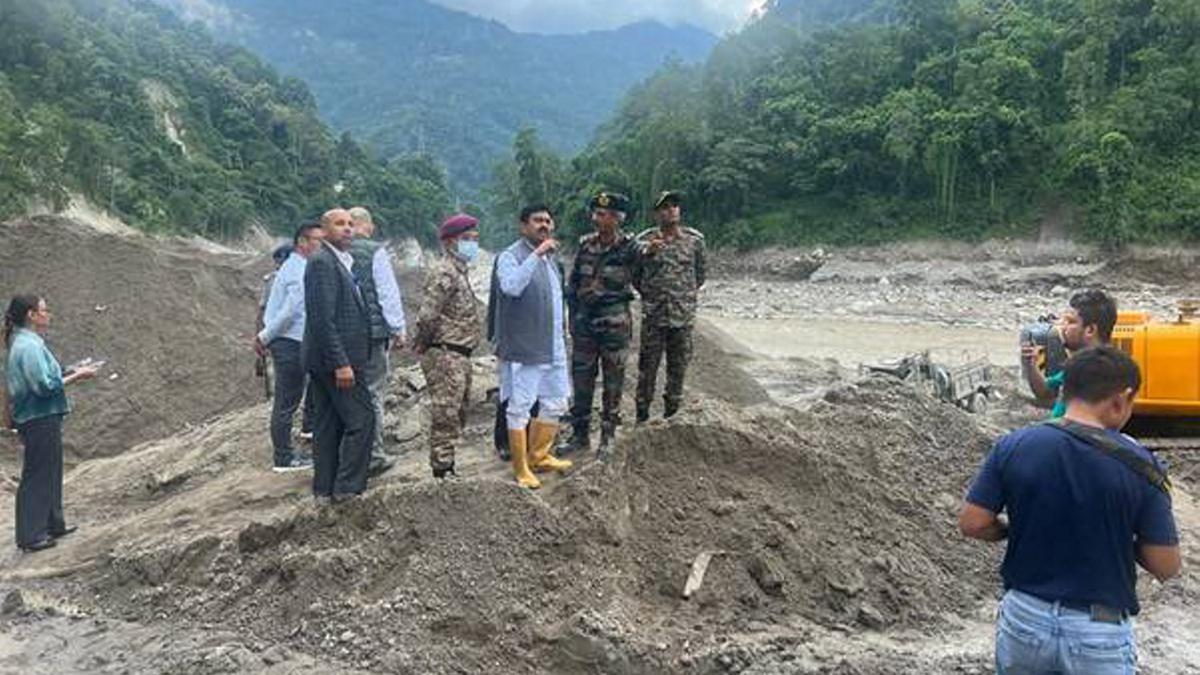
[(696, 577)]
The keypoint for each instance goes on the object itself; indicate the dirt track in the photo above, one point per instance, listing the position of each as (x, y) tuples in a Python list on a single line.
[(827, 502)]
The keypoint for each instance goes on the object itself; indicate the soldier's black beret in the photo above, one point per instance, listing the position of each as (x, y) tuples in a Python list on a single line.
[(614, 201), (668, 197)]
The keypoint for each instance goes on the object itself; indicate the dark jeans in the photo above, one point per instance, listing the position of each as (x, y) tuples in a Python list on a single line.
[(289, 389), (343, 434), (39, 497)]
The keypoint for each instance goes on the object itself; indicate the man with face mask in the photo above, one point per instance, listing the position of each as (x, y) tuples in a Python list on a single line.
[(526, 315), (447, 334), (599, 292)]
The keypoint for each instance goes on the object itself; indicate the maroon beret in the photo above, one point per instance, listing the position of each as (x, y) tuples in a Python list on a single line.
[(456, 225)]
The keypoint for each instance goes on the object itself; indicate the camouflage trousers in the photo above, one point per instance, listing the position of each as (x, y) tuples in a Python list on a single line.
[(448, 382), (677, 344), (590, 355)]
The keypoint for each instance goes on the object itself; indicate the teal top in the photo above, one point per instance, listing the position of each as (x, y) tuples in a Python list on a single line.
[(35, 380), (1055, 383)]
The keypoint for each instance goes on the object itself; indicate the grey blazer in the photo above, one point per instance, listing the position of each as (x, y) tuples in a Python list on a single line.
[(336, 327)]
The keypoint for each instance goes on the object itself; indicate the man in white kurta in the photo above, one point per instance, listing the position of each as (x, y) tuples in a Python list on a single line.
[(528, 321)]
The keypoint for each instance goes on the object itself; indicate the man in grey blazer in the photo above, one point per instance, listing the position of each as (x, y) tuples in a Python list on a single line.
[(336, 351)]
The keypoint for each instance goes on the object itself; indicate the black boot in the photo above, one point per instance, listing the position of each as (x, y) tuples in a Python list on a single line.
[(444, 472), (670, 408), (608, 432), (581, 439), (643, 414)]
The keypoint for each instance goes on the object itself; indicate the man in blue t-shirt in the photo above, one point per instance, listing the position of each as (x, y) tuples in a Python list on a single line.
[(1085, 504), (1087, 322)]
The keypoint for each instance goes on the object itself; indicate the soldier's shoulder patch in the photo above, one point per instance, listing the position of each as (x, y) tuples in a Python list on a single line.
[(646, 234), (587, 238), (693, 232)]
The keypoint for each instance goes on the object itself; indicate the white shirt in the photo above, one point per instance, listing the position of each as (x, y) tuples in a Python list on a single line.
[(343, 257), (388, 291)]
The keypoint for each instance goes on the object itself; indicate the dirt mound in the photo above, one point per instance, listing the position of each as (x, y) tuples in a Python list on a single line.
[(839, 517), (173, 322)]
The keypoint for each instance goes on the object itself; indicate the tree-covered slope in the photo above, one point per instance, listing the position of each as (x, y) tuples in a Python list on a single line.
[(119, 101), (936, 117), (409, 75)]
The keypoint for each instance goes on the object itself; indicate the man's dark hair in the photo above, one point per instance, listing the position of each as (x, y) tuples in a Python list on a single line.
[(303, 230), (1096, 373), (534, 208), (1096, 308)]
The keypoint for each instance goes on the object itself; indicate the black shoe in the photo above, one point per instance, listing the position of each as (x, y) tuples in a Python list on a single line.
[(643, 415), (669, 410), (607, 434), (293, 463), (579, 440), (445, 472), (39, 545), (58, 534), (379, 464)]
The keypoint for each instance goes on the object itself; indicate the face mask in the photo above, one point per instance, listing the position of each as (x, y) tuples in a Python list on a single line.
[(467, 249)]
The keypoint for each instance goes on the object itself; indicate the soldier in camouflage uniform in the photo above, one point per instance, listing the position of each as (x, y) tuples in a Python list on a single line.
[(599, 293), (447, 333), (670, 271)]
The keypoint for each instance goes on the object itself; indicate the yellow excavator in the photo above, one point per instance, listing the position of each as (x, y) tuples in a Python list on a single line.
[(1167, 407)]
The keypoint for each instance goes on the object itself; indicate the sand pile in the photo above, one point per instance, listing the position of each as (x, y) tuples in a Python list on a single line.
[(173, 321), (838, 517)]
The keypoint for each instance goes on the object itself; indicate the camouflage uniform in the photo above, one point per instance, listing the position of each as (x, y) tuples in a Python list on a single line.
[(667, 281), (448, 331), (598, 294)]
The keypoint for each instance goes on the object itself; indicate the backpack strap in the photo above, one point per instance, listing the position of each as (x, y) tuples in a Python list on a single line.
[(1110, 446)]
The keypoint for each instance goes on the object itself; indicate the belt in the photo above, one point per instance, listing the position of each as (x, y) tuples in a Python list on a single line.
[(1098, 612), (457, 349)]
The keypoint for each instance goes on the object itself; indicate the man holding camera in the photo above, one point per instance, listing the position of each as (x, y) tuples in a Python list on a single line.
[(1087, 322)]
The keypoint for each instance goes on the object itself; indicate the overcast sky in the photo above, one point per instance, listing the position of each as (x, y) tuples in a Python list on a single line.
[(573, 16)]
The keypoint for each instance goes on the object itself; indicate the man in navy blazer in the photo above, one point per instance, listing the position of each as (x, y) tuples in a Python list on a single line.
[(336, 349)]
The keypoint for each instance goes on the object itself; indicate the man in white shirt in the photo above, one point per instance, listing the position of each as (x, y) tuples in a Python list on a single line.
[(281, 335), (385, 309)]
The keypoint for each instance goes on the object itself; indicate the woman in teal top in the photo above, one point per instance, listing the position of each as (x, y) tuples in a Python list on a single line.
[(37, 403)]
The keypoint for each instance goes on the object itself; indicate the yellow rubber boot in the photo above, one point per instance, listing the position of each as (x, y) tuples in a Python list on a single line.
[(517, 445), (542, 435)]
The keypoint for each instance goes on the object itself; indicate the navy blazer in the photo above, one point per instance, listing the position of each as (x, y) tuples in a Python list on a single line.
[(336, 327)]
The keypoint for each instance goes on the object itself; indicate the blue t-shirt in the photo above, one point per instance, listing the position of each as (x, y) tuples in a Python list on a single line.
[(1075, 515)]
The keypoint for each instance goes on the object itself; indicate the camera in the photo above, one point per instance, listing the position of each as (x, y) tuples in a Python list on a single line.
[(1045, 333)]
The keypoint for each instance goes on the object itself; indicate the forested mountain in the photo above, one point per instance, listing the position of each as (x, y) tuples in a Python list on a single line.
[(410, 75), (121, 102), (960, 118)]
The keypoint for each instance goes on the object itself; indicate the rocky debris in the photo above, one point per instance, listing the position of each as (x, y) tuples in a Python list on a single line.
[(786, 264), (13, 604)]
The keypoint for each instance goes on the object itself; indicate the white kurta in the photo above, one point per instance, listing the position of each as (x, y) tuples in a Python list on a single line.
[(523, 384)]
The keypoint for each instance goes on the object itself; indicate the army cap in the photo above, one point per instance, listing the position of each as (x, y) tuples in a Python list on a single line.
[(668, 197), (613, 201)]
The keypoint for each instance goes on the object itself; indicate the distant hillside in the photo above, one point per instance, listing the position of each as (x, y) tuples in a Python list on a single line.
[(119, 101), (916, 118), (409, 75)]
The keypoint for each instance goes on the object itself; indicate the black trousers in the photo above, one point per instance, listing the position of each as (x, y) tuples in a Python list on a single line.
[(289, 389), (343, 433), (39, 496)]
